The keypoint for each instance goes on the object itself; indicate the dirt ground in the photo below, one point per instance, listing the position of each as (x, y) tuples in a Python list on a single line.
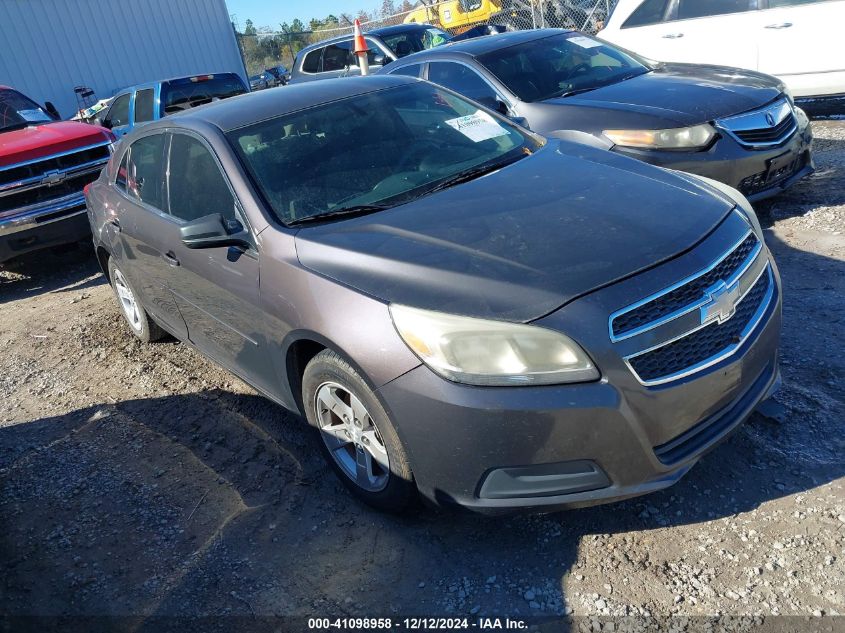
[(141, 481)]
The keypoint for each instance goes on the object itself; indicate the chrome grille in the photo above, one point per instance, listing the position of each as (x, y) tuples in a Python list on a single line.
[(771, 125), (686, 296), (700, 320), (35, 183), (695, 351)]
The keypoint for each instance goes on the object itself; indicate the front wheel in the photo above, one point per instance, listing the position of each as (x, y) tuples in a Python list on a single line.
[(359, 440)]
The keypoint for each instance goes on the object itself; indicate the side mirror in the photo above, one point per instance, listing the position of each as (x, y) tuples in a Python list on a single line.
[(381, 60), (51, 110), (103, 123), (495, 104), (212, 231)]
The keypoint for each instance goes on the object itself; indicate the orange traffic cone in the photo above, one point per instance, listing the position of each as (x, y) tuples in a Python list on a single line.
[(361, 49)]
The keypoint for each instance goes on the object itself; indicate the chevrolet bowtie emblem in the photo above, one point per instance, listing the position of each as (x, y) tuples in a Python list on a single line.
[(52, 178), (721, 303)]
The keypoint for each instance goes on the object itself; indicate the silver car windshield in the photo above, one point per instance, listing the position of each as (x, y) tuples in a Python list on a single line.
[(373, 151)]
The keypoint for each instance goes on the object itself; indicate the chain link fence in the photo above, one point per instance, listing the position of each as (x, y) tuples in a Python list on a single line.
[(267, 48)]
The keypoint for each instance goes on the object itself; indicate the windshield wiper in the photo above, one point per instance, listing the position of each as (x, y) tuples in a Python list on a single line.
[(358, 209), (472, 173), (577, 91)]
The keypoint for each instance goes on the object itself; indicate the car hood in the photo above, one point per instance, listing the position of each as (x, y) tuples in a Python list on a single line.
[(520, 242), (38, 141), (685, 94)]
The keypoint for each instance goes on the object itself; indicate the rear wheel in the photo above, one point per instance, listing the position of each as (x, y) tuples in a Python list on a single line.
[(359, 439), (140, 323)]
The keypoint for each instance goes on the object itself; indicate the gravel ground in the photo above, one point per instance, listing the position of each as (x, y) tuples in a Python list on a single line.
[(142, 480)]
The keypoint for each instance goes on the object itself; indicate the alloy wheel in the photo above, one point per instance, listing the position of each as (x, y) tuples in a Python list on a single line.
[(352, 437), (127, 301)]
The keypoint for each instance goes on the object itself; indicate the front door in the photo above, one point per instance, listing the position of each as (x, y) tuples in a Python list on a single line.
[(216, 289), (147, 234)]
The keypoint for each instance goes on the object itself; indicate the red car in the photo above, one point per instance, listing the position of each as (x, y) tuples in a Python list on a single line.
[(44, 165)]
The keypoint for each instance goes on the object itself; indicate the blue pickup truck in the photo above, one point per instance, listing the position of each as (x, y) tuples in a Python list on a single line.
[(151, 101)]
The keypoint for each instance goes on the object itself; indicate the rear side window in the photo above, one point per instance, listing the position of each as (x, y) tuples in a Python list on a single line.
[(196, 185), (412, 70), (649, 12), (183, 94), (461, 79), (704, 8), (144, 170), (144, 105), (118, 112), (311, 63), (337, 56)]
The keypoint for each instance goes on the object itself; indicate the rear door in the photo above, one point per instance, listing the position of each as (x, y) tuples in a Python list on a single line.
[(216, 289), (801, 42), (143, 106), (693, 31), (147, 234)]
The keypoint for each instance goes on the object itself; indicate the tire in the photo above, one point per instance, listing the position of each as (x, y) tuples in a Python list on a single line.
[(385, 481), (140, 323)]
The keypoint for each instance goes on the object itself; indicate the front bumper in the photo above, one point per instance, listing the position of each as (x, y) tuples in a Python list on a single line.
[(756, 173), (500, 449), (62, 221)]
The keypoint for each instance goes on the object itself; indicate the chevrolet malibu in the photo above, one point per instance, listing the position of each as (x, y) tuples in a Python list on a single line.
[(463, 309)]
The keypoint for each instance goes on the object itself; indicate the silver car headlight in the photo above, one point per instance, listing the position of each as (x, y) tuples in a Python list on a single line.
[(491, 353), (694, 137)]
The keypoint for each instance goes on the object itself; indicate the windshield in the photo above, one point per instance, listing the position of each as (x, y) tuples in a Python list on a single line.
[(561, 64), (17, 111), (380, 148), (415, 40), (182, 94)]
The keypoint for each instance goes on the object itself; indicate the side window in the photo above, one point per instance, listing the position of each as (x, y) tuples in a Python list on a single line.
[(461, 79), (144, 105), (196, 186), (704, 8), (649, 12), (337, 56), (118, 112), (311, 63), (411, 70), (373, 52), (144, 170), (122, 171)]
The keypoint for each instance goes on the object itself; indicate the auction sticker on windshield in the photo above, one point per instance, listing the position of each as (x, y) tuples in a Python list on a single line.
[(584, 42), (478, 127)]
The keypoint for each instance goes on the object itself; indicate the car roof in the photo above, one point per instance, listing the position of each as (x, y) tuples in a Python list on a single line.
[(235, 112), (485, 44), (400, 28), (379, 32), (150, 84)]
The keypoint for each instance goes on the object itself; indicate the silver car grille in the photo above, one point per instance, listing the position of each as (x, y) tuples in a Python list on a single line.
[(701, 320), (761, 128)]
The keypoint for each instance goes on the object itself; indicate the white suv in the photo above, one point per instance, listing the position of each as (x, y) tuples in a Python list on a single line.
[(799, 41)]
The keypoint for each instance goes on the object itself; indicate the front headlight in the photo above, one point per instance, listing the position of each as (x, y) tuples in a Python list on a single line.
[(491, 353), (693, 137)]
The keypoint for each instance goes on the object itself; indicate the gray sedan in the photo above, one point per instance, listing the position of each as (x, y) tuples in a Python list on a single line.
[(737, 126), (460, 307)]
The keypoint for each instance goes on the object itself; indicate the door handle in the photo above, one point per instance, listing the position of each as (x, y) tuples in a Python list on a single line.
[(673, 36), (781, 25), (115, 224), (170, 258)]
